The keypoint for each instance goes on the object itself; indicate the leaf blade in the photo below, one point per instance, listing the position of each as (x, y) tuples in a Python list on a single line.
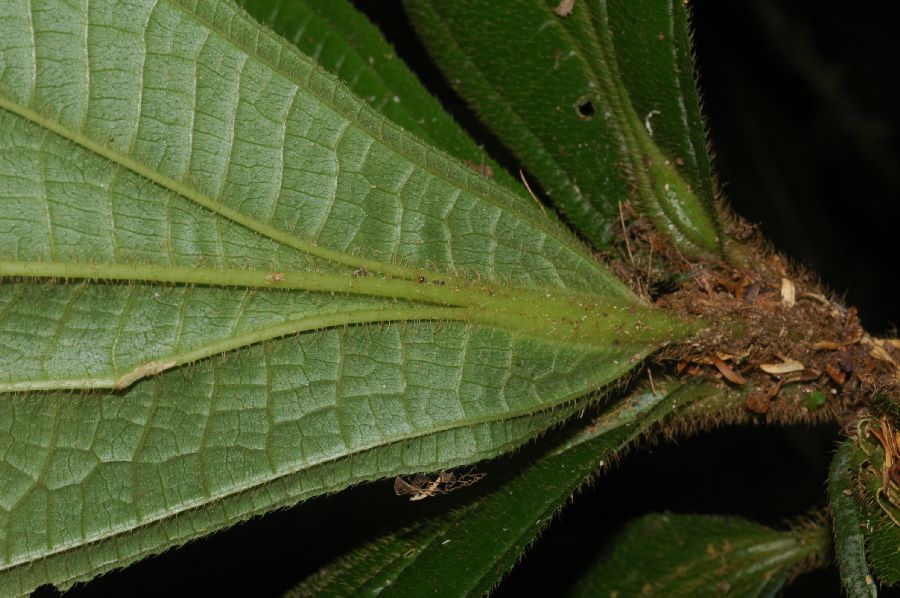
[(875, 493), (700, 555), (849, 542), (346, 44), (575, 125), (189, 451), (199, 212)]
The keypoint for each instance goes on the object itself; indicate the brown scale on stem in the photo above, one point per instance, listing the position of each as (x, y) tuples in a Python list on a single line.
[(773, 328)]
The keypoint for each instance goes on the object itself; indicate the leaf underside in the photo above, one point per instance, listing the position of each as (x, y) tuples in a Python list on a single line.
[(344, 42), (700, 555), (307, 296)]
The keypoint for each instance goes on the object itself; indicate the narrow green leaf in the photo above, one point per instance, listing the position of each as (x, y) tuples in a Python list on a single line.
[(581, 99), (465, 551), (345, 43), (877, 497), (700, 555), (849, 540), (653, 52), (218, 238)]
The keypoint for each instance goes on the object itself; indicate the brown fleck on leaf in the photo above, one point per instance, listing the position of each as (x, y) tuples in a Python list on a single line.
[(880, 354), (758, 402), (564, 8), (752, 292), (826, 346), (835, 374), (423, 486), (275, 277), (484, 169), (402, 487), (806, 375), (785, 367), (730, 374), (788, 292), (853, 331)]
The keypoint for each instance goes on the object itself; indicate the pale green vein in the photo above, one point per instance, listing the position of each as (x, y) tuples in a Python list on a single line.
[(652, 171), (561, 317), (211, 204), (429, 290), (122, 379)]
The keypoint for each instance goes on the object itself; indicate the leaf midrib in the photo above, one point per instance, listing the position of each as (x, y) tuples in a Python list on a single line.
[(640, 146), (199, 198), (122, 378), (770, 556)]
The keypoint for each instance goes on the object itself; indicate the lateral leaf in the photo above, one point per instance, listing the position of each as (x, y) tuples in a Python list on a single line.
[(877, 495), (700, 555), (598, 103), (476, 543), (849, 540)]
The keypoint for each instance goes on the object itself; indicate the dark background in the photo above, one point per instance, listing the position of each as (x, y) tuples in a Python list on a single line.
[(802, 101)]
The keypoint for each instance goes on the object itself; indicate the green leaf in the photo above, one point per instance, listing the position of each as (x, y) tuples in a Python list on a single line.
[(220, 207), (878, 500), (272, 291), (700, 555), (849, 541), (95, 483), (474, 545), (345, 43), (598, 104)]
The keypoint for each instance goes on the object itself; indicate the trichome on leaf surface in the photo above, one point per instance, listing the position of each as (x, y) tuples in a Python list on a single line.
[(246, 260)]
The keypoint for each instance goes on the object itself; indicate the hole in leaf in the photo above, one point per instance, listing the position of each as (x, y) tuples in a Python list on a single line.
[(585, 108)]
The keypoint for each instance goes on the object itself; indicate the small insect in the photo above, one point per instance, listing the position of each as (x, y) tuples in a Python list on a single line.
[(422, 486), (421, 278), (360, 272), (482, 168), (275, 277)]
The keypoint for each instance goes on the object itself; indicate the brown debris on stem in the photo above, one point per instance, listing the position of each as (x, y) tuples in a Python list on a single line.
[(771, 325)]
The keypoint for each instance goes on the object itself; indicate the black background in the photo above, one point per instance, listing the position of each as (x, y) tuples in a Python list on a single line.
[(802, 101)]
